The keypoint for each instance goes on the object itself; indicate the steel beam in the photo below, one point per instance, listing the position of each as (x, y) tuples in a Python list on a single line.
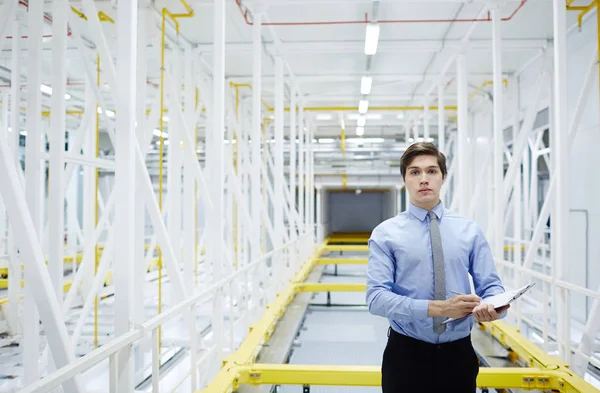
[(256, 182), (33, 182), (498, 133), (218, 174), (124, 229)]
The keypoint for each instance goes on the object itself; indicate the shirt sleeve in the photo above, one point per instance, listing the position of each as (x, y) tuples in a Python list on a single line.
[(483, 269), (381, 297)]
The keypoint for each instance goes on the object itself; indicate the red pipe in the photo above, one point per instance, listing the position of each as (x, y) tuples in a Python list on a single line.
[(353, 22), (46, 17)]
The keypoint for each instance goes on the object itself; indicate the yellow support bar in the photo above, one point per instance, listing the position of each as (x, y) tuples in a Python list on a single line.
[(346, 247), (342, 261), (330, 287), (325, 375), (348, 240)]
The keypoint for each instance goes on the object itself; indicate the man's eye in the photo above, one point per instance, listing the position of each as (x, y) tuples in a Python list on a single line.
[(433, 171), (414, 172)]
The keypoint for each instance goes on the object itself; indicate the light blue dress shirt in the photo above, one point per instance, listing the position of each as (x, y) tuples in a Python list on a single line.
[(400, 270)]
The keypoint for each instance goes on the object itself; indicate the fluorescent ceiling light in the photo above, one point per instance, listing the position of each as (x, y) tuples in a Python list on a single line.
[(361, 121), (365, 85), (110, 113), (99, 110), (363, 106), (360, 131), (323, 116), (156, 132), (46, 89), (365, 140), (67, 96), (24, 133), (371, 39), (400, 116), (326, 140), (166, 119)]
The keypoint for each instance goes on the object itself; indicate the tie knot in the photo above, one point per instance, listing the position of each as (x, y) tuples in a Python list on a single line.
[(432, 215)]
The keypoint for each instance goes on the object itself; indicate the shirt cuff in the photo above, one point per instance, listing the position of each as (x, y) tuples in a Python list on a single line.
[(420, 309)]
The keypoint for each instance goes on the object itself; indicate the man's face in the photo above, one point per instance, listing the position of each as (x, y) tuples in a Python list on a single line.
[(424, 180)]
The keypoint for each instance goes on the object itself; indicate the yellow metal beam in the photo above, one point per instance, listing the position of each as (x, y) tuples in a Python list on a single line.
[(342, 261), (321, 375), (345, 247), (330, 287)]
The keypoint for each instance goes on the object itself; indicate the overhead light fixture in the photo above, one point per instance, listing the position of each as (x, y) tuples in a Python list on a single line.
[(110, 113), (363, 106), (99, 110), (46, 89), (326, 140), (67, 96), (365, 85), (360, 131), (323, 116), (166, 119), (361, 121), (371, 39), (400, 116)]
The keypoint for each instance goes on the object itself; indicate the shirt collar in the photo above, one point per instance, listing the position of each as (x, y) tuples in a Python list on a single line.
[(421, 213)]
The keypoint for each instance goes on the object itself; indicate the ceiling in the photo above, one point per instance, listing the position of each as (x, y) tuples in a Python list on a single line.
[(416, 41)]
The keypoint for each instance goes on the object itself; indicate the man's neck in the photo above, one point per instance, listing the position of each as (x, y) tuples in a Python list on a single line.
[(427, 207)]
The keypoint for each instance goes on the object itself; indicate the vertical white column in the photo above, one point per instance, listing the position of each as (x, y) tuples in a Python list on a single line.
[(498, 167), (463, 130), (140, 266), (256, 137), (189, 203), (307, 185), (426, 119), (441, 119), (398, 199), (560, 213), (4, 131), (311, 178), (517, 193), (301, 170), (218, 173), (72, 204), (14, 266), (127, 18), (319, 208), (56, 211), (174, 159), (188, 176), (278, 159), (32, 181), (293, 149)]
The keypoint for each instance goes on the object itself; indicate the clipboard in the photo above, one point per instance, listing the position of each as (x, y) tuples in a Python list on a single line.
[(499, 300)]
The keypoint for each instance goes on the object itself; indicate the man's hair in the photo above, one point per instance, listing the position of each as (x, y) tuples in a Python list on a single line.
[(422, 149)]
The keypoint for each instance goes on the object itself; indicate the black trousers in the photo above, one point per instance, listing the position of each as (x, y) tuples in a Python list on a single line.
[(411, 365)]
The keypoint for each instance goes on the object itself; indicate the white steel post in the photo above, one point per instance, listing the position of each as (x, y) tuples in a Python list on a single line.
[(498, 167), (301, 171), (124, 227), (256, 182), (15, 85), (33, 183), (308, 184), (175, 159), (460, 157), (56, 211), (441, 120), (426, 119), (218, 167), (188, 181), (560, 212), (319, 208), (293, 149), (278, 158), (311, 179)]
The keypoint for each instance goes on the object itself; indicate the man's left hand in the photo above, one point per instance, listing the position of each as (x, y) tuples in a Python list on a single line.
[(487, 313)]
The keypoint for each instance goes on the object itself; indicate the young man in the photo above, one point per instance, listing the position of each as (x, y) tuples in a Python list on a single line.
[(418, 276)]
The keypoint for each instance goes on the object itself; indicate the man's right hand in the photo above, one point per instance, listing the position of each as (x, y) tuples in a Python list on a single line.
[(456, 307), (460, 306)]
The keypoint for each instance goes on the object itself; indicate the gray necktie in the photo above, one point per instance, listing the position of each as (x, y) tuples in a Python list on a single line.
[(439, 276)]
